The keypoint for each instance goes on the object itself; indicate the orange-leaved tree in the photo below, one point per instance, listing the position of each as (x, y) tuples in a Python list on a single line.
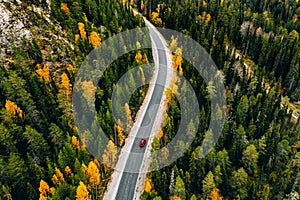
[(148, 186), (64, 7), (44, 188), (215, 194), (138, 57), (175, 198)]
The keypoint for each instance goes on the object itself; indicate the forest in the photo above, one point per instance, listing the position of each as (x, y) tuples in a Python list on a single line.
[(255, 45), (41, 155)]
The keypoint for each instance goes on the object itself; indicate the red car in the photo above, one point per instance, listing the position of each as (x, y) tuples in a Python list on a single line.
[(142, 142)]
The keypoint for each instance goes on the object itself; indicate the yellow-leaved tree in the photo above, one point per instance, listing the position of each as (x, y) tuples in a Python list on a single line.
[(207, 18), (128, 117), (175, 198), (88, 89), (145, 59), (93, 174), (119, 130), (94, 39), (44, 189), (142, 76), (138, 57), (215, 195), (148, 186), (77, 37), (81, 29), (58, 177), (110, 154), (64, 97), (75, 142), (64, 7), (178, 60), (156, 19), (68, 171), (13, 109), (65, 87), (94, 178), (82, 193), (43, 72)]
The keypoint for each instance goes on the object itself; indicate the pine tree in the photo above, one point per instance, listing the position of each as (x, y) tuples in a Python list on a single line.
[(179, 189), (208, 184), (240, 183), (250, 159)]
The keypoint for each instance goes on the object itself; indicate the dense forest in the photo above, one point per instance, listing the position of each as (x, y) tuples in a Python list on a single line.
[(41, 156), (255, 45)]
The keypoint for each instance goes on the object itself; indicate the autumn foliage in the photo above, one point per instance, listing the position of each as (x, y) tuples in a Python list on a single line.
[(215, 194), (110, 154), (65, 87), (44, 188), (75, 142), (43, 72), (94, 39), (93, 174), (65, 8), (138, 57), (68, 171), (13, 109), (148, 186), (82, 192), (175, 198), (81, 29)]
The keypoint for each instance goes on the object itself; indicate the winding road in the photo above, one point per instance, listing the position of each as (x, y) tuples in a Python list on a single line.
[(124, 185), (127, 185)]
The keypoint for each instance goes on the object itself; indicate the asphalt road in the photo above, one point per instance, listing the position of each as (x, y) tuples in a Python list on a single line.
[(128, 181)]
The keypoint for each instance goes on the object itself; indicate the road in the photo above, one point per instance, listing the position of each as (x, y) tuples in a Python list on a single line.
[(128, 181), (129, 176)]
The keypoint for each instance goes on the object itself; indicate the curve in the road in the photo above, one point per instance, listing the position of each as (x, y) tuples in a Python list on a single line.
[(128, 181)]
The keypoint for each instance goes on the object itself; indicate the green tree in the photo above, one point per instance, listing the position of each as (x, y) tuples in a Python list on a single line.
[(37, 145), (179, 189), (250, 159), (239, 183), (208, 184), (242, 110)]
